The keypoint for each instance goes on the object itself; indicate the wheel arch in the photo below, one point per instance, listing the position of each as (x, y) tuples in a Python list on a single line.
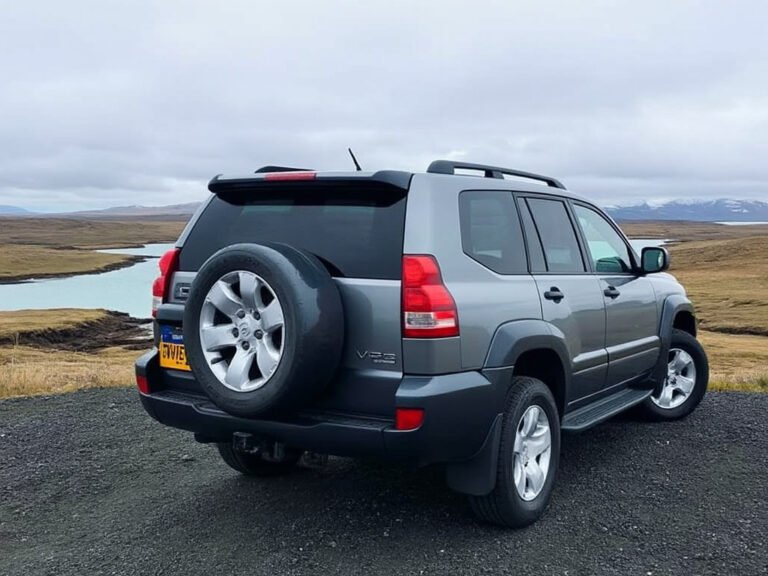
[(532, 348)]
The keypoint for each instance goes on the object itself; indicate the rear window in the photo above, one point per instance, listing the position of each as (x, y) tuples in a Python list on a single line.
[(355, 229)]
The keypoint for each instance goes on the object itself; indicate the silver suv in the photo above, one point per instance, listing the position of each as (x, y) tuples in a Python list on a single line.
[(463, 317)]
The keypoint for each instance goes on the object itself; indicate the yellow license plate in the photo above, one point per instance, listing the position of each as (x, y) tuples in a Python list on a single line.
[(172, 352)]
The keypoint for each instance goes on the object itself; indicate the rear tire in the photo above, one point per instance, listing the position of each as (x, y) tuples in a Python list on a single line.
[(256, 464), (672, 402), (515, 502)]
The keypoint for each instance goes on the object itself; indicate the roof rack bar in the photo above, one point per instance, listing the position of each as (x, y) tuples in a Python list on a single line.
[(450, 167)]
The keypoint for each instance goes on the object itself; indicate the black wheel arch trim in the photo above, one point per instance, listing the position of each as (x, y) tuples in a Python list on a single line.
[(513, 339), (672, 306)]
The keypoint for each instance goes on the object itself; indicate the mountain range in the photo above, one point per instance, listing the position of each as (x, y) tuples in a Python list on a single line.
[(722, 210)]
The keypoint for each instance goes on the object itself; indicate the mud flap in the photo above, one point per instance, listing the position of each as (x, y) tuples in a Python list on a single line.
[(477, 476)]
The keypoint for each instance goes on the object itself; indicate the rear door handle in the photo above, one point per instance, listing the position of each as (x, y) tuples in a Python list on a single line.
[(554, 294), (611, 292)]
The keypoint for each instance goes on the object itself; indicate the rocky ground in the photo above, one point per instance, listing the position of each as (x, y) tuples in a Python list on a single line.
[(90, 485)]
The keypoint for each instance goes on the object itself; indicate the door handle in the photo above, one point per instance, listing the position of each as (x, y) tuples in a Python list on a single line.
[(611, 292), (554, 294)]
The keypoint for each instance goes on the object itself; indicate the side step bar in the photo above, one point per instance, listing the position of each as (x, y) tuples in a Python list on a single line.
[(588, 416)]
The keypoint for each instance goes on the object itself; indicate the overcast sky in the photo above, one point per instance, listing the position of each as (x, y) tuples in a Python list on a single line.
[(108, 103)]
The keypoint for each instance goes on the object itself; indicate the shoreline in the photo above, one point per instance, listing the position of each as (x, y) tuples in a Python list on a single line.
[(129, 260), (111, 329)]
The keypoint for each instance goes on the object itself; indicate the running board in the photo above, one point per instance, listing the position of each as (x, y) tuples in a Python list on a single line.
[(602, 410)]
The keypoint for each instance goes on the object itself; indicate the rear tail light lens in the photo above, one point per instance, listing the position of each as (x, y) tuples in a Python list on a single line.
[(408, 418), (429, 310), (169, 263), (142, 383)]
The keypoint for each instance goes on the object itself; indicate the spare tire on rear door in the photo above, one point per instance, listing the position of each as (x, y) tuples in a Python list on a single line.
[(263, 328)]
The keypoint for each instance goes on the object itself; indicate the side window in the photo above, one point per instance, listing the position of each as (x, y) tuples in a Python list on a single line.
[(558, 238), (607, 249), (490, 231), (535, 251)]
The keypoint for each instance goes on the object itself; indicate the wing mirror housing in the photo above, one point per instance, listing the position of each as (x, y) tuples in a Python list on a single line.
[(654, 259)]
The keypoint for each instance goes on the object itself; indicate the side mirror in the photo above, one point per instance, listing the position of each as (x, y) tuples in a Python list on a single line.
[(654, 259)]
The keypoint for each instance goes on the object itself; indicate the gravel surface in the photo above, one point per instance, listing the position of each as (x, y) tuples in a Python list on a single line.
[(89, 484)]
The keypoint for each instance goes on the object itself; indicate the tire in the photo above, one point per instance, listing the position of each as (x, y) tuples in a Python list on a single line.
[(255, 464), (505, 506), (303, 343), (653, 409)]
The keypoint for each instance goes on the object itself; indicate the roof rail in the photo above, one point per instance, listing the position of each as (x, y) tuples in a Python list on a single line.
[(450, 167), (280, 169)]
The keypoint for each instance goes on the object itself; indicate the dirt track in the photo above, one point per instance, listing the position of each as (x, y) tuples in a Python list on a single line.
[(90, 485)]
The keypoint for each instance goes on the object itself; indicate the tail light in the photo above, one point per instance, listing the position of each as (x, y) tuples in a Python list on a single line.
[(429, 310), (169, 263)]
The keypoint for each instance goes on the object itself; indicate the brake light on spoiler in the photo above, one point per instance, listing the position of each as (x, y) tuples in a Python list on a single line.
[(277, 176)]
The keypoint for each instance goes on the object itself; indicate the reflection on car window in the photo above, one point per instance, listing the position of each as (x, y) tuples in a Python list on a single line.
[(607, 249)]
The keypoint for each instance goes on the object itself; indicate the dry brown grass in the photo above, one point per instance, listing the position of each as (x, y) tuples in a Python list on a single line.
[(27, 261), (24, 321), (33, 371), (736, 362), (94, 234), (728, 282), (689, 231)]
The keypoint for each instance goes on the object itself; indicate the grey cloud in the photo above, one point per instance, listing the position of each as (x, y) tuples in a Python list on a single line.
[(107, 102)]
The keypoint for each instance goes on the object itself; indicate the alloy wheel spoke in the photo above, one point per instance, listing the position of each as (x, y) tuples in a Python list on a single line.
[(539, 443), (530, 420), (519, 475), (665, 399), (266, 358), (217, 337), (239, 369), (685, 384), (224, 299), (272, 317), (249, 288), (535, 476)]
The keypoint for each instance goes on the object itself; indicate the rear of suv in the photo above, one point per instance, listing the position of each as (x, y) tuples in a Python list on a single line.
[(435, 318)]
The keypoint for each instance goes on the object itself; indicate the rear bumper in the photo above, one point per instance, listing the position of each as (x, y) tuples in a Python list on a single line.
[(459, 413)]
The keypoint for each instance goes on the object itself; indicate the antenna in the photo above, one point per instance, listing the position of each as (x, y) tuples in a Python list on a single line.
[(357, 166)]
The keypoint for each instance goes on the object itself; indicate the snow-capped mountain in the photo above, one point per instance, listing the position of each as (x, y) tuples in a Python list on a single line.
[(722, 210)]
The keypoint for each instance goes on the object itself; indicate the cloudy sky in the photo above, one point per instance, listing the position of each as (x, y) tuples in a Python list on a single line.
[(106, 102)]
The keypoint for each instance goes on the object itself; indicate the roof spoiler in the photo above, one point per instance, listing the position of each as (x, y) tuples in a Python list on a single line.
[(223, 183), (450, 167)]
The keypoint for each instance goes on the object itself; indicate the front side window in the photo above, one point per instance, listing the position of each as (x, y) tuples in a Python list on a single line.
[(607, 249)]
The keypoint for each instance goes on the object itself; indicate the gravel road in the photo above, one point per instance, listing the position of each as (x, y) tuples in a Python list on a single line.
[(90, 485)]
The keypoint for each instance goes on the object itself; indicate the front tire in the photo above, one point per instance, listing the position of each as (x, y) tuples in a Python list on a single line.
[(256, 464), (685, 384), (529, 455)]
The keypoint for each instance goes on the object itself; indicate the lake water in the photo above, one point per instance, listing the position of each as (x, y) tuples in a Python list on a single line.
[(125, 290), (742, 223)]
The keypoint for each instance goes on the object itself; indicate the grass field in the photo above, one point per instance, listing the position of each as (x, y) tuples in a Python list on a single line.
[(51, 247), (724, 269)]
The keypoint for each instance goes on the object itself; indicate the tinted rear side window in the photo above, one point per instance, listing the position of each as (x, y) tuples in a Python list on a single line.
[(490, 231), (355, 229), (558, 238)]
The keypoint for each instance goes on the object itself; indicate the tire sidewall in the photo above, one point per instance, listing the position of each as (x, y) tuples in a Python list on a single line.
[(313, 327), (692, 346), (535, 393)]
